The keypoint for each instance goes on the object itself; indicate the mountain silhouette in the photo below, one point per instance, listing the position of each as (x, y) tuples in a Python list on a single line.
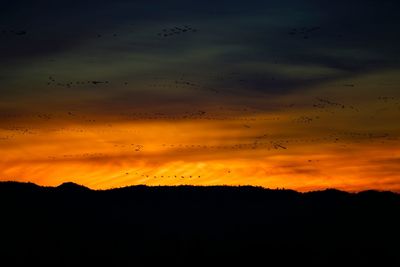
[(71, 225), (73, 187)]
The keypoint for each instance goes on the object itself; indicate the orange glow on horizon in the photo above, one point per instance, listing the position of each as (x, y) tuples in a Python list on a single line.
[(201, 152)]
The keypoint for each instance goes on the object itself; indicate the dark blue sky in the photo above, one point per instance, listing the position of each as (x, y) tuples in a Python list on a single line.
[(241, 48)]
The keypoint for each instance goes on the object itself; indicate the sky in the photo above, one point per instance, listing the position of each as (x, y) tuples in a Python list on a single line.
[(289, 94)]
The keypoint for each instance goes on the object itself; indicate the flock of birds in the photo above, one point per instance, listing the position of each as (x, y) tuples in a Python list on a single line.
[(304, 32), (178, 83), (219, 114), (168, 32), (183, 84), (265, 141), (323, 103), (306, 119), (52, 81), (166, 176), (247, 113)]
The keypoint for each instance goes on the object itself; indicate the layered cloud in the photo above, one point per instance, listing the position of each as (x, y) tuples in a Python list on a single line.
[(265, 86)]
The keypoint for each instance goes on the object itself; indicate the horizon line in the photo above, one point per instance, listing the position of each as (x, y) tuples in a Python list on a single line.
[(197, 186)]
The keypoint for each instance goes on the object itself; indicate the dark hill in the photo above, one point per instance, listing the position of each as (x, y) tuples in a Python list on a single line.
[(71, 187), (71, 225)]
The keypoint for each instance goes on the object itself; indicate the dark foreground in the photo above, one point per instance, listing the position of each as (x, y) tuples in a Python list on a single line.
[(196, 226)]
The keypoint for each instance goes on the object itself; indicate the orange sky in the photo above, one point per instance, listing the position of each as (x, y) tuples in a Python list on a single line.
[(307, 144)]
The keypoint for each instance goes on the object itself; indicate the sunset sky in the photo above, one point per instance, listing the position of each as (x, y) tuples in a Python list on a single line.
[(295, 94)]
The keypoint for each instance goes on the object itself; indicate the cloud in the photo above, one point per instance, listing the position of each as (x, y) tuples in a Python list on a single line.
[(239, 35)]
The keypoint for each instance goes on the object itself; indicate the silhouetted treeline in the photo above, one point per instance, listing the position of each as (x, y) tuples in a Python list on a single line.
[(72, 225)]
